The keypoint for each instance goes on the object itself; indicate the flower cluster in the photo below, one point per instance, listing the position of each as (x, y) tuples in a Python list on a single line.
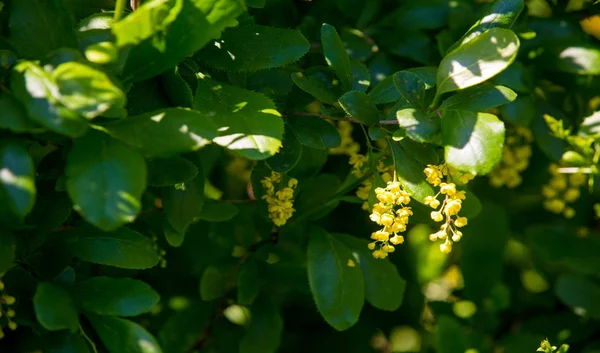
[(392, 214), (515, 158), (280, 203), (6, 301), (365, 188), (450, 205), (562, 190)]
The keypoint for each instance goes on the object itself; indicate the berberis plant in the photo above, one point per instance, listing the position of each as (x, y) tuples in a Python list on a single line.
[(257, 176)]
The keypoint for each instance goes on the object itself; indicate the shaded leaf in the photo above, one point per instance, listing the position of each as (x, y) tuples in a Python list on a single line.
[(248, 283), (54, 308), (183, 202), (14, 116), (361, 77), (264, 332), (8, 250), (123, 336), (212, 283), (410, 174), (177, 89), (449, 336), (314, 132), (419, 126), (288, 155), (411, 88), (577, 291), (360, 106), (218, 211), (336, 56), (479, 99), (17, 178), (170, 171), (315, 86)]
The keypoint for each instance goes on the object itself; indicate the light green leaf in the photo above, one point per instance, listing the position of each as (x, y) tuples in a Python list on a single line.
[(105, 186), (360, 106), (590, 126), (17, 178), (37, 28), (122, 248), (248, 122), (501, 13), (249, 48), (384, 288), (314, 132), (577, 291), (212, 283), (361, 77), (213, 211), (114, 296), (419, 126), (411, 88), (170, 171), (8, 248), (182, 203), (473, 141), (54, 308), (338, 289), (478, 60), (86, 90), (14, 116), (248, 283), (123, 336), (410, 173), (36, 89), (479, 99), (195, 25), (149, 20), (165, 132), (336, 56), (266, 327), (315, 87)]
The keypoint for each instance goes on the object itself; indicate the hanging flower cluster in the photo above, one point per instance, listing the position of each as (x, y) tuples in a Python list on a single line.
[(515, 158), (447, 210), (562, 190), (280, 203), (6, 301), (365, 188), (392, 214)]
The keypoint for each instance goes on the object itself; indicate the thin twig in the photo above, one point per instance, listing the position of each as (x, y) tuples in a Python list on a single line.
[(346, 118)]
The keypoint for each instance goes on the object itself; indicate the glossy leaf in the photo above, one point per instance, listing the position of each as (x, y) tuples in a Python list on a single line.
[(384, 288), (385, 91), (218, 211), (105, 186), (123, 336), (149, 20), (249, 48), (170, 171), (315, 87), (336, 56), (411, 88), (361, 77), (17, 178), (54, 308), (359, 106), (478, 60), (410, 174), (577, 291), (114, 296), (265, 330), (473, 141), (122, 248), (479, 99), (183, 202), (288, 155), (337, 288), (314, 132), (248, 122), (576, 58), (419, 126), (165, 132)]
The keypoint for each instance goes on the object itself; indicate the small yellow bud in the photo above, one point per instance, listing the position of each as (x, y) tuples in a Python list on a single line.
[(446, 248), (386, 177), (397, 239), (435, 203), (351, 263), (292, 183), (388, 248), (1, 285), (387, 219), (549, 192), (371, 246), (453, 207), (12, 325), (375, 217), (8, 300), (465, 178), (10, 313), (559, 182), (437, 216), (428, 200), (577, 179), (461, 222), (571, 195), (555, 205), (569, 213), (457, 236), (433, 236), (448, 189)]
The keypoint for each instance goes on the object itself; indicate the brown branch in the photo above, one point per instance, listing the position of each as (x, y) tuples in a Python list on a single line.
[(346, 118)]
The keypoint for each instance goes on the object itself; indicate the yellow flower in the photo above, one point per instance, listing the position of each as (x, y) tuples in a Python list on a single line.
[(555, 205), (461, 222), (437, 216), (453, 207), (569, 213), (448, 189), (571, 195), (280, 203), (446, 247)]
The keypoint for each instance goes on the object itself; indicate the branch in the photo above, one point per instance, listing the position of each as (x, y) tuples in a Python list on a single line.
[(346, 118)]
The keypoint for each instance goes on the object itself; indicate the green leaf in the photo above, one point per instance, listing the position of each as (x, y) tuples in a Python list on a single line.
[(150, 20), (248, 122), (590, 127), (427, 74), (17, 178), (173, 237), (581, 59), (411, 88), (122, 248), (177, 89), (410, 173), (68, 343), (521, 111), (114, 296), (384, 288), (314, 132), (473, 141), (212, 283), (14, 116), (218, 211), (180, 331), (8, 248), (336, 56), (338, 289), (36, 89), (385, 91), (86, 90), (422, 152), (360, 106), (577, 291), (419, 126), (289, 154), (478, 60), (123, 336), (479, 99), (165, 132), (248, 283), (183, 202), (170, 171), (37, 28), (195, 25), (449, 336), (361, 77), (501, 14), (315, 87), (105, 186), (249, 48), (266, 328), (316, 199), (54, 308)]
